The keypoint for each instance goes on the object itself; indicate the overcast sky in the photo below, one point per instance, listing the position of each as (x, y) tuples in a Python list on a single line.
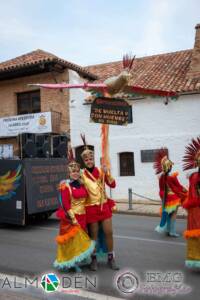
[(96, 31)]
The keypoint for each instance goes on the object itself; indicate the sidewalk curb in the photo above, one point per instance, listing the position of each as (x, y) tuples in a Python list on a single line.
[(140, 202), (137, 213)]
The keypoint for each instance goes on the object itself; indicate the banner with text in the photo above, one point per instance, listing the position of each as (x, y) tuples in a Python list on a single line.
[(112, 111), (42, 179), (34, 123)]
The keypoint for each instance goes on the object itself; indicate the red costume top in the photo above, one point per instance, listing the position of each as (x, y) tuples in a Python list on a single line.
[(192, 204), (73, 201), (193, 199), (175, 192)]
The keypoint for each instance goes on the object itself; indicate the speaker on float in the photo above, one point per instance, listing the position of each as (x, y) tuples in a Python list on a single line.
[(59, 145), (43, 144), (27, 145)]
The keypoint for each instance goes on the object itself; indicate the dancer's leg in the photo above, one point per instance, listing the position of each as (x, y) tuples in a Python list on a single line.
[(93, 233), (107, 228)]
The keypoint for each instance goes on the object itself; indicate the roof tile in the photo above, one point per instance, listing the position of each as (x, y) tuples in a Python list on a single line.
[(38, 57), (164, 71)]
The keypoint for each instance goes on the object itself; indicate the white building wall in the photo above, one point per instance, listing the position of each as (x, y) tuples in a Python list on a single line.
[(155, 125)]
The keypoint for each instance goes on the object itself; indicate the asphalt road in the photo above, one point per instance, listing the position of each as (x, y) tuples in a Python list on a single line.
[(31, 251)]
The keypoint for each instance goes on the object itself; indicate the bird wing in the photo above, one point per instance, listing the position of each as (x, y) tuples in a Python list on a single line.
[(9, 182), (69, 86), (151, 92), (103, 87)]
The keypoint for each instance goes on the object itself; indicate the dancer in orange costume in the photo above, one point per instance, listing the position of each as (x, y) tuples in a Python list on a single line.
[(192, 204), (172, 193), (74, 244)]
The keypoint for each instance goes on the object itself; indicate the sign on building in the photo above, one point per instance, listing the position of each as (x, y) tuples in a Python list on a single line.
[(35, 123), (112, 111)]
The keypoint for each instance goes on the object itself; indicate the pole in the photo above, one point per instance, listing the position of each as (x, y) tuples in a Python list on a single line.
[(130, 200)]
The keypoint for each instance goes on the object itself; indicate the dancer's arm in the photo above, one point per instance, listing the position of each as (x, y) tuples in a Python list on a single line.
[(66, 200)]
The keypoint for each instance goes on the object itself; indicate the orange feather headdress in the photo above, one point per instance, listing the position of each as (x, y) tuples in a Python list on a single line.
[(162, 162), (191, 158)]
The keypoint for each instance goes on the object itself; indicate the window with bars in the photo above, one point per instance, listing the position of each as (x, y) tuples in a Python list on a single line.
[(28, 103), (126, 160)]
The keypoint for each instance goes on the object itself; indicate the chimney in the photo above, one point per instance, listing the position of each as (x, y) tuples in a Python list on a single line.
[(194, 70)]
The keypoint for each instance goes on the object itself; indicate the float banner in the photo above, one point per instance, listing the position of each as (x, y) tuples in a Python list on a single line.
[(42, 179), (12, 192)]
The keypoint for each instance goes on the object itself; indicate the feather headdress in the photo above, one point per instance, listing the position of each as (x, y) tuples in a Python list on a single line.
[(73, 166), (162, 163), (86, 152), (128, 61), (191, 158)]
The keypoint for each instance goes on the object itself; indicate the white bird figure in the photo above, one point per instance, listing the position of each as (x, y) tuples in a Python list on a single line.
[(116, 84)]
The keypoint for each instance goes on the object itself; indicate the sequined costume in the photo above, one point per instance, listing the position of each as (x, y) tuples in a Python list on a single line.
[(73, 243), (171, 192), (192, 204), (98, 206)]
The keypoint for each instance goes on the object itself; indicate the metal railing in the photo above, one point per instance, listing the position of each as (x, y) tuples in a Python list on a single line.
[(130, 198)]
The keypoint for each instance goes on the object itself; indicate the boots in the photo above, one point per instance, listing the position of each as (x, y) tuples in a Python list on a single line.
[(172, 231), (160, 229), (93, 265), (168, 224), (111, 262)]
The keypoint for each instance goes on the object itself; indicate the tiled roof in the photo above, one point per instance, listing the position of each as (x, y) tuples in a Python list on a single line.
[(164, 71), (39, 57)]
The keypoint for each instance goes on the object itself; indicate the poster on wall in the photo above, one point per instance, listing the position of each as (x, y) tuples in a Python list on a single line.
[(34, 123), (112, 111), (6, 151), (42, 179), (12, 196)]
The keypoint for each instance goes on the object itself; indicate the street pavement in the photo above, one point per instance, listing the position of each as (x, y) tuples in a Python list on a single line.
[(139, 250)]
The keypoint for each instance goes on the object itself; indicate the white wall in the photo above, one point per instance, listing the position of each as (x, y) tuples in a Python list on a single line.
[(154, 125)]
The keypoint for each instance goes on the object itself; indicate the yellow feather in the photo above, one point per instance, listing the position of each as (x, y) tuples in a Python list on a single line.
[(4, 176), (10, 180)]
